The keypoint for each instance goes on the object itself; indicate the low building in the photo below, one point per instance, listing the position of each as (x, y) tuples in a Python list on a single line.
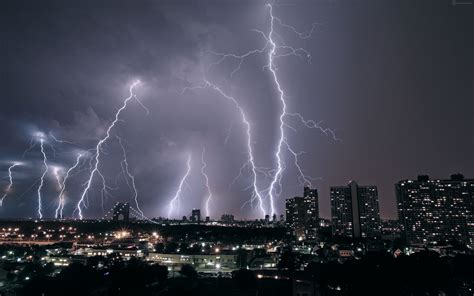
[(65, 260), (201, 262), (267, 261), (99, 251)]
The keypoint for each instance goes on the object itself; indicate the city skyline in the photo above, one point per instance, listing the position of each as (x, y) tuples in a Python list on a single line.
[(65, 79)]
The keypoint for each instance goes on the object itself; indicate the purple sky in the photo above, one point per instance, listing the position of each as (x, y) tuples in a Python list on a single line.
[(394, 79)]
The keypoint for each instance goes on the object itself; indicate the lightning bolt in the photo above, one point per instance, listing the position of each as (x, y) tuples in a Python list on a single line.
[(256, 194), (206, 183), (59, 209), (277, 49), (177, 195), (56, 171), (126, 171), (303, 179), (229, 131), (311, 124), (60, 141), (46, 168), (251, 160), (98, 149), (33, 141), (9, 187), (272, 68), (272, 55)]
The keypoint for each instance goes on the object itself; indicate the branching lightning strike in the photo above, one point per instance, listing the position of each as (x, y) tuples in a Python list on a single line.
[(46, 168), (56, 171), (127, 174), (176, 198), (98, 149), (10, 185), (274, 50), (281, 94), (206, 183), (60, 141), (256, 194), (60, 208)]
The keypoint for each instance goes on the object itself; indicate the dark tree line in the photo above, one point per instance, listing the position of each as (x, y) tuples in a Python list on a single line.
[(423, 273), (117, 277)]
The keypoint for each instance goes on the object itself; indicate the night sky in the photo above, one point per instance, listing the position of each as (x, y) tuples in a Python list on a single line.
[(394, 79)]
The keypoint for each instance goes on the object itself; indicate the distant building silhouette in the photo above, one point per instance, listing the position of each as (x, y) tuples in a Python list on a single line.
[(227, 218), (355, 210), (121, 212), (436, 210), (302, 214)]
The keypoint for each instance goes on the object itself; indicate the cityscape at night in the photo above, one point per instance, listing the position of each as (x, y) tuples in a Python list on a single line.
[(303, 148)]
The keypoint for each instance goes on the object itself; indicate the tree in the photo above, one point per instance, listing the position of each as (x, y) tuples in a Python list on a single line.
[(160, 247), (183, 248), (287, 261), (188, 271), (171, 247), (245, 279)]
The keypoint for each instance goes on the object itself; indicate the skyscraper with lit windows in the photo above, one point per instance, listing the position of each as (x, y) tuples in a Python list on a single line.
[(436, 210), (355, 210), (302, 214)]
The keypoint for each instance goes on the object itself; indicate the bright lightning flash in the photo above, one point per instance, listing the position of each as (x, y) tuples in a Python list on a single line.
[(256, 195), (98, 149), (60, 141), (176, 198), (275, 48), (46, 168), (56, 171), (206, 179), (10, 185), (59, 209), (273, 69), (126, 172)]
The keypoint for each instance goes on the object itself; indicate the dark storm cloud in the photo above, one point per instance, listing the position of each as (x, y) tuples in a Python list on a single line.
[(395, 80)]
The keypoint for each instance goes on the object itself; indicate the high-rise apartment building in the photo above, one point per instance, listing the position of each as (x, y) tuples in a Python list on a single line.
[(302, 214), (436, 210), (355, 210)]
